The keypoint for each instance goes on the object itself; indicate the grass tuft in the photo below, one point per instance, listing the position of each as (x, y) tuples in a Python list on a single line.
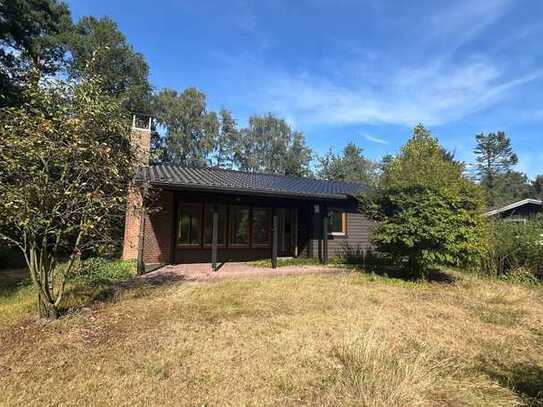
[(372, 372)]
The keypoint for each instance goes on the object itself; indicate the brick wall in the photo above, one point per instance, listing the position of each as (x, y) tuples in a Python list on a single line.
[(159, 229), (141, 140), (132, 224)]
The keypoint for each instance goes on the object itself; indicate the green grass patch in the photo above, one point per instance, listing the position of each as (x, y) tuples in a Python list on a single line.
[(286, 262), (505, 316), (16, 295), (95, 281), (98, 271)]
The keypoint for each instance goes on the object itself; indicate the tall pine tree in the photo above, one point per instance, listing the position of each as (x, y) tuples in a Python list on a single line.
[(494, 159)]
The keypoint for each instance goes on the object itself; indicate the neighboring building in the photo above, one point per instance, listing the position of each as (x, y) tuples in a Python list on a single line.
[(519, 211), (247, 215)]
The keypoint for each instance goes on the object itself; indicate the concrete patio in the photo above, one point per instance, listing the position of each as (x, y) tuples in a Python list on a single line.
[(204, 272)]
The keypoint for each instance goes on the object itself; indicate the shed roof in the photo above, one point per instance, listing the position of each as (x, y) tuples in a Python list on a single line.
[(515, 205), (223, 180)]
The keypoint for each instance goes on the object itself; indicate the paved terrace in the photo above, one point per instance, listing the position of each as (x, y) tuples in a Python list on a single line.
[(203, 271)]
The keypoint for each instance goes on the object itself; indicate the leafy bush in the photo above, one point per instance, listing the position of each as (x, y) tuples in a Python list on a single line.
[(423, 227), (351, 255), (515, 249), (429, 211)]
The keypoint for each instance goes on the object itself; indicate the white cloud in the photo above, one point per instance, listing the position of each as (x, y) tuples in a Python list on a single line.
[(432, 84), (374, 139), (434, 94), (464, 19)]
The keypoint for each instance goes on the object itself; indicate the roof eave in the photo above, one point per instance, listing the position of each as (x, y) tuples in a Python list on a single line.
[(279, 194)]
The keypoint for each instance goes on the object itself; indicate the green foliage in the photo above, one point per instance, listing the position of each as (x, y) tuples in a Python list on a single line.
[(537, 186), (98, 48), (38, 39), (191, 131), (423, 161), (227, 136), (515, 249), (31, 43), (349, 255), (494, 154), (65, 163), (298, 157), (494, 160), (508, 188), (270, 145), (350, 166), (196, 137), (429, 212)]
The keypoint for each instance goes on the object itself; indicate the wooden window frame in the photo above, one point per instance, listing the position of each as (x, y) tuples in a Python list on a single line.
[(229, 242), (189, 245), (226, 211), (343, 232), (262, 245)]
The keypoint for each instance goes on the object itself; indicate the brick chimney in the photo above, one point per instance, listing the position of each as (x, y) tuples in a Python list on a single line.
[(140, 136)]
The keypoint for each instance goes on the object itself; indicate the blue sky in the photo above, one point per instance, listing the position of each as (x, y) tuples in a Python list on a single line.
[(345, 70)]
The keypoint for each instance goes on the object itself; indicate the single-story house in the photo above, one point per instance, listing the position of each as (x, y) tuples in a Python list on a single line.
[(518, 211), (213, 215)]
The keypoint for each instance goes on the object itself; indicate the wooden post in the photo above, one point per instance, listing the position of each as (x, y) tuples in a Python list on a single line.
[(140, 264), (214, 238), (173, 207), (275, 226), (295, 231), (324, 258)]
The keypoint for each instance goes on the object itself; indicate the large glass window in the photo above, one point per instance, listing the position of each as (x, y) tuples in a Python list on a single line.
[(336, 222), (189, 225), (261, 227), (208, 232), (239, 226)]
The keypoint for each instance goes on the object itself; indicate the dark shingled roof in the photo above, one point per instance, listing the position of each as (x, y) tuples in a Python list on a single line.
[(217, 179)]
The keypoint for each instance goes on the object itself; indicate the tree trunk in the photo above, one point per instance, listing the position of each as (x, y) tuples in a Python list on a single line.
[(48, 284), (46, 310)]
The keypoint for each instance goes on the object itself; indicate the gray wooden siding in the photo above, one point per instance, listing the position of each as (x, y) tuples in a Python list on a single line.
[(357, 237)]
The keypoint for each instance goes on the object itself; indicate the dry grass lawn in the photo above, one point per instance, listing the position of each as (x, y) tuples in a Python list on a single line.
[(344, 339)]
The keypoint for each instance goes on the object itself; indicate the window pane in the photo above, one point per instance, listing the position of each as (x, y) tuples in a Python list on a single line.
[(239, 225), (261, 226), (183, 232), (208, 236), (190, 224), (335, 221)]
